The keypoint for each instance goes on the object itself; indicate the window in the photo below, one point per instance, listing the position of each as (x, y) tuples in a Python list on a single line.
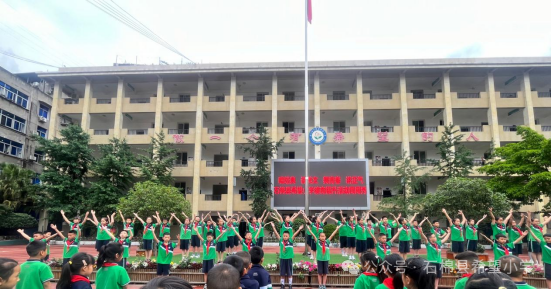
[(39, 156), (338, 95), (43, 111), (10, 147), (10, 120), (261, 124), (181, 159), (13, 95), (338, 155), (36, 180), (368, 155), (421, 190), (417, 94), (261, 96), (418, 125), (289, 95), (420, 156), (181, 98), (339, 126), (41, 131), (289, 155), (181, 186)]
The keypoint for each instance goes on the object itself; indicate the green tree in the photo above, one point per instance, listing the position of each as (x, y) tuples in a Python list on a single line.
[(456, 160), (148, 197), (65, 170), (521, 170), (258, 180), (15, 186), (471, 195), (158, 160), (411, 180), (113, 173)]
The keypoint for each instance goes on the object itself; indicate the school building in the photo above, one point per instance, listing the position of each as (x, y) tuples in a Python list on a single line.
[(373, 109)]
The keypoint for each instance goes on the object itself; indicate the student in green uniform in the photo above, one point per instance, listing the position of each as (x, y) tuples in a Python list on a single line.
[(372, 274), (286, 254), (165, 251), (350, 232), (501, 247), (385, 227), (196, 243), (128, 224), (125, 241), (416, 236), (9, 275), (545, 249), (467, 264), (249, 242), (209, 252), (109, 275), (76, 224), (416, 274), (361, 235), (232, 242), (434, 253), (392, 265), (220, 230), (322, 255), (185, 235), (383, 247), (405, 236), (102, 226), (514, 267), (471, 234), (147, 237), (76, 273), (255, 225), (370, 243), (70, 244), (439, 233), (39, 236), (514, 231), (286, 223), (538, 230), (342, 237), (317, 226), (499, 224), (165, 224), (208, 226), (34, 273), (456, 232)]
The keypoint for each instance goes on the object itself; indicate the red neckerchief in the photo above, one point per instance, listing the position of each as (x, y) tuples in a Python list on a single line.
[(163, 228), (388, 282), (505, 248), (127, 226), (185, 228), (517, 229), (474, 229), (370, 274), (208, 246), (103, 228), (121, 241), (166, 248), (468, 275), (538, 227), (363, 228), (386, 226), (352, 226), (77, 278), (317, 226), (109, 264), (287, 224), (248, 244), (147, 228), (436, 246), (501, 227), (384, 246), (69, 244), (405, 227), (254, 227), (323, 245), (74, 226), (220, 229), (195, 224)]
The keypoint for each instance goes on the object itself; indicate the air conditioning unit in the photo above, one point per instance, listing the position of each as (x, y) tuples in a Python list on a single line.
[(42, 119), (32, 158), (2, 92), (35, 84)]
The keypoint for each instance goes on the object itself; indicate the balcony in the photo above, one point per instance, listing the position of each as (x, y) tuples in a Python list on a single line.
[(382, 101), (425, 100), (100, 136), (183, 170), (425, 134), (253, 103), (344, 134), (508, 133), (338, 102), (172, 104), (540, 99), (383, 167), (475, 133), (70, 105), (297, 136), (241, 206), (137, 136), (212, 202), (544, 130), (295, 103), (469, 100), (244, 164), (103, 105), (214, 168), (243, 133), (146, 104), (216, 103), (214, 135), (382, 134), (510, 99), (180, 136)]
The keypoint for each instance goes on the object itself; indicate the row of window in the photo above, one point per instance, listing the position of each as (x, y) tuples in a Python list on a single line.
[(13, 95), (10, 147), (12, 121)]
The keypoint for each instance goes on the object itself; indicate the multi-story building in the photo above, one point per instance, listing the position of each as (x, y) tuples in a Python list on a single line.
[(25, 110), (370, 109)]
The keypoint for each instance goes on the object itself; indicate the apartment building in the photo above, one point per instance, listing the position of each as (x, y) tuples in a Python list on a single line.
[(373, 109), (25, 110)]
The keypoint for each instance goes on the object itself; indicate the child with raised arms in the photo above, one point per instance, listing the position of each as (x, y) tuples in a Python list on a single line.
[(501, 246), (185, 234), (286, 223), (70, 244), (165, 224), (76, 225), (323, 255), (514, 231), (434, 253), (471, 234), (249, 242), (545, 249), (128, 224), (498, 224), (416, 236), (286, 255), (102, 226), (221, 230), (125, 241), (165, 251), (147, 238), (232, 241), (209, 252), (39, 236), (383, 247), (456, 232), (538, 231), (316, 228)]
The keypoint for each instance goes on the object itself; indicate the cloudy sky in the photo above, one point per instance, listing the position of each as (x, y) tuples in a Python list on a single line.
[(76, 33)]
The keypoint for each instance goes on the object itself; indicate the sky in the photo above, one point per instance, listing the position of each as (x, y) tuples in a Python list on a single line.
[(76, 33)]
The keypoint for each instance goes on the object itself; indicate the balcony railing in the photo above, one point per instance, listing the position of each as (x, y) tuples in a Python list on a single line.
[(381, 96), (213, 163), (248, 163), (385, 162), (140, 100), (426, 163), (247, 130), (213, 197), (293, 98), (544, 94), (470, 128), (181, 164), (478, 162), (70, 101), (508, 95), (424, 96), (103, 101), (338, 97), (220, 98), (101, 132), (426, 129), (339, 129), (468, 95), (141, 131), (545, 128), (295, 130), (509, 128), (184, 98), (254, 98), (215, 130), (382, 129), (178, 131)]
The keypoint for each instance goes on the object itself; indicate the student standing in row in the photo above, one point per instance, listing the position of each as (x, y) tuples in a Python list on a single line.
[(538, 231), (185, 235), (209, 252), (322, 255), (286, 255), (457, 232), (76, 225), (147, 237), (471, 234), (70, 244), (165, 251), (39, 236), (102, 226), (434, 253), (498, 224)]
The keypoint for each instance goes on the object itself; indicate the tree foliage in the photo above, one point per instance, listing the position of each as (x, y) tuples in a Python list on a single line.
[(158, 160), (258, 180), (17, 221), (113, 173), (411, 180), (456, 160), (521, 170), (65, 168), (148, 197), (471, 195), (15, 186)]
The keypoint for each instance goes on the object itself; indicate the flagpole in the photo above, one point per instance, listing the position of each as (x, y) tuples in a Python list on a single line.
[(306, 113)]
